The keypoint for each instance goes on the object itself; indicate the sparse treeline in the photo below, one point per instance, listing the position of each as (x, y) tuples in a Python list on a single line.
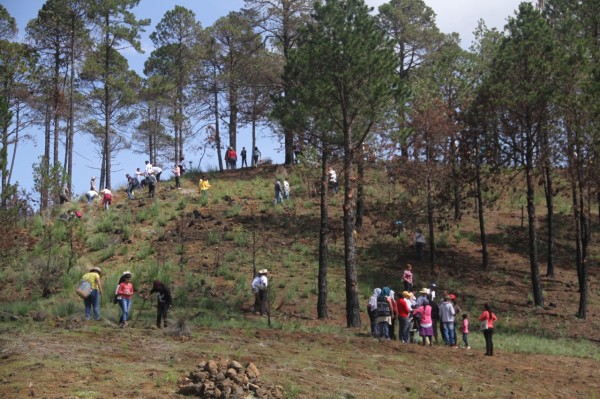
[(346, 83)]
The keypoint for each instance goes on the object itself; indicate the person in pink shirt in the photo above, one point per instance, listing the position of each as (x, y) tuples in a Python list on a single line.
[(487, 320), (426, 324), (124, 295), (465, 330), (407, 277)]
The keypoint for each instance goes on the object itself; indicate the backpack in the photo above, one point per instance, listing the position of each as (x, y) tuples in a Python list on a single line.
[(383, 307)]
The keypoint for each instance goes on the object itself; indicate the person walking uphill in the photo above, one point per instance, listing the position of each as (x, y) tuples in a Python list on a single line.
[(163, 303), (93, 299), (487, 320), (259, 287), (124, 295)]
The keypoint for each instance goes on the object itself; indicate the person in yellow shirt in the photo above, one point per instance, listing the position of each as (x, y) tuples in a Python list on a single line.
[(203, 186), (93, 300)]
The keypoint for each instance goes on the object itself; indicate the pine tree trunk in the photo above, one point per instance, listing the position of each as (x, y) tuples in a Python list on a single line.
[(323, 244), (352, 305), (531, 218)]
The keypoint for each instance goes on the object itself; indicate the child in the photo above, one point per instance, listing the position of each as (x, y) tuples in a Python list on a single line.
[(124, 294), (465, 330), (203, 187)]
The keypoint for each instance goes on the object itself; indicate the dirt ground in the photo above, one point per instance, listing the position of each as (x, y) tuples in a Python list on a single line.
[(99, 361)]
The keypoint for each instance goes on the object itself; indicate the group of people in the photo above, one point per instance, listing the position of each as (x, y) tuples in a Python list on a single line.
[(424, 314), (92, 194), (123, 297), (231, 158)]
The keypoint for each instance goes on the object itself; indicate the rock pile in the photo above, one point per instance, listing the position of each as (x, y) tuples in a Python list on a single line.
[(227, 379)]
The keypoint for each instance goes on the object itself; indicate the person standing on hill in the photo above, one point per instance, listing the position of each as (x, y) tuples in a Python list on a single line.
[(141, 178), (203, 187), (465, 330), (256, 156), (64, 194), (447, 314), (148, 169), (231, 158), (243, 154), (151, 179), (177, 173), (163, 303), (93, 300), (278, 196), (181, 165), (423, 313), (93, 183), (384, 313), (259, 288), (333, 183), (286, 189), (407, 278), (404, 309), (372, 312), (124, 295), (487, 320)]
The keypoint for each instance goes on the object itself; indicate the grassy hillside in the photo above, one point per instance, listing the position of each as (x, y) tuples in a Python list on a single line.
[(206, 250)]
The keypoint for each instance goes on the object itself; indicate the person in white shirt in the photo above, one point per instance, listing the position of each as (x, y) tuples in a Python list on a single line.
[(106, 198), (259, 287), (148, 168), (286, 189), (419, 243), (333, 183), (157, 170)]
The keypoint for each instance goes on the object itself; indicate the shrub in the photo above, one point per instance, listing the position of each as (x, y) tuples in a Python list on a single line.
[(97, 242)]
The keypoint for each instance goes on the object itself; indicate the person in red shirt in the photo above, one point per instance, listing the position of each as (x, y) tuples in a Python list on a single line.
[(487, 320), (404, 309), (124, 295), (231, 158)]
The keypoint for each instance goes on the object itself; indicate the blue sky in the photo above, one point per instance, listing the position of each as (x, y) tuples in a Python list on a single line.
[(452, 16)]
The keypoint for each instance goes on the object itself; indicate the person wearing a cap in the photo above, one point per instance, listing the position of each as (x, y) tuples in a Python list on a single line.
[(93, 300), (259, 287), (422, 297), (124, 295), (447, 314)]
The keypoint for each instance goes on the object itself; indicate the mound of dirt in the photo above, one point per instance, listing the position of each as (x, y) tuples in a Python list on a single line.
[(227, 379)]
